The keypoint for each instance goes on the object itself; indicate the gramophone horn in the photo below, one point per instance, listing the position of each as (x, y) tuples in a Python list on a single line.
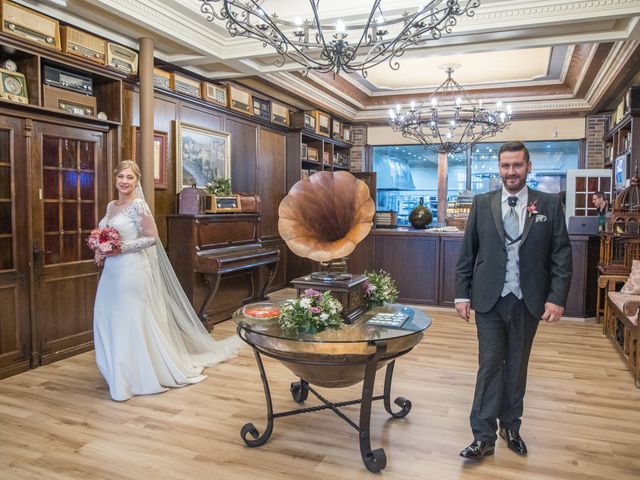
[(326, 215)]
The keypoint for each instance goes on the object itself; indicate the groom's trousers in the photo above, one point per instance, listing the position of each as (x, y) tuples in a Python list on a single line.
[(505, 337)]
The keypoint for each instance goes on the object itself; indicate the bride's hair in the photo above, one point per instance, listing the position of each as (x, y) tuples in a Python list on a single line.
[(123, 165)]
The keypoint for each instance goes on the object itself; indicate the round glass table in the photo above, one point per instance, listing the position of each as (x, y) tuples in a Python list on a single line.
[(333, 359)]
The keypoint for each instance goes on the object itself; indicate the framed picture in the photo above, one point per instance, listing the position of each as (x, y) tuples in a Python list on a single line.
[(312, 154), (279, 114), (159, 155), (323, 126), (240, 100), (336, 129), (346, 133), (304, 154), (203, 155)]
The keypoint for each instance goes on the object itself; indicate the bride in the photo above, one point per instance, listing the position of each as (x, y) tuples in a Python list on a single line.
[(147, 336)]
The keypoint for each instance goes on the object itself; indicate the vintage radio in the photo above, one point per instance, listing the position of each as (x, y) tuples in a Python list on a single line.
[(185, 85), (71, 102), (161, 79), (261, 108), (30, 25), (214, 93), (84, 45), (191, 201), (386, 219), (67, 80), (279, 114), (250, 203), (306, 120), (13, 86), (240, 100), (122, 58), (226, 204)]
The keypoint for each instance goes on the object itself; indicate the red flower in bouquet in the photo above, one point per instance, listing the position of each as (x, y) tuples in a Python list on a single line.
[(104, 241)]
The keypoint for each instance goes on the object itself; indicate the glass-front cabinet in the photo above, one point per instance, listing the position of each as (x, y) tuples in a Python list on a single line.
[(405, 173)]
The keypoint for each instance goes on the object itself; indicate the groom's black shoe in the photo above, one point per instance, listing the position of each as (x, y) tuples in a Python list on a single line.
[(478, 449), (514, 441)]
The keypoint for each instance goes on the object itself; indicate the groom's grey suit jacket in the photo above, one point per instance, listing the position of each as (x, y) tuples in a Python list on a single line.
[(544, 256)]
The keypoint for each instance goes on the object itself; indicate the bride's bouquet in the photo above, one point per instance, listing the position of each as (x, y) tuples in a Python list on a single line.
[(104, 241)]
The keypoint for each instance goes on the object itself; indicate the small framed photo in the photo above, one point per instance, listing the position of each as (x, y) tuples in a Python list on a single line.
[(159, 155), (312, 154), (279, 114), (240, 100), (323, 127), (203, 156), (304, 153), (310, 121), (346, 133), (325, 158), (336, 129)]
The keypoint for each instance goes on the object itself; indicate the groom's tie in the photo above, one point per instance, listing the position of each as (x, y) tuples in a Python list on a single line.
[(511, 221)]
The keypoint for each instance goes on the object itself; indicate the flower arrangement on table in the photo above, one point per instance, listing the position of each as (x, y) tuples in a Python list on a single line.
[(311, 312), (220, 187), (379, 288), (104, 241)]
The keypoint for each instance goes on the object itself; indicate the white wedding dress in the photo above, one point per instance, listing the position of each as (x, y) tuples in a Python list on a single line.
[(147, 337)]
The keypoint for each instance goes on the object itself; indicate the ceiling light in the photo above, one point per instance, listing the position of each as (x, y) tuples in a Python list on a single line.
[(340, 47)]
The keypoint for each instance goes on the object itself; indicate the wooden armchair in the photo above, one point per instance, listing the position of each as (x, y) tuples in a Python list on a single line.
[(621, 323)]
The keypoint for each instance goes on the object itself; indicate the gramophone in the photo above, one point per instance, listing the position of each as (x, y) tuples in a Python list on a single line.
[(323, 218)]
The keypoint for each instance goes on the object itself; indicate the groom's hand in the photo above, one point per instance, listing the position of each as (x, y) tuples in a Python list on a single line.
[(464, 310), (552, 312)]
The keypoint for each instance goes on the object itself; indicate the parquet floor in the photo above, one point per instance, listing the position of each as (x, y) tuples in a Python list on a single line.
[(582, 419)]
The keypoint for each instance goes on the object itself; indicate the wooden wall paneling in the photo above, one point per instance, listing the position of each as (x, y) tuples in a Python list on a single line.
[(15, 251), (271, 174), (244, 154), (449, 253), (413, 263)]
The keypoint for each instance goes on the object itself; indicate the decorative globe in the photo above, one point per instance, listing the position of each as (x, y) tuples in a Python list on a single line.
[(420, 216)]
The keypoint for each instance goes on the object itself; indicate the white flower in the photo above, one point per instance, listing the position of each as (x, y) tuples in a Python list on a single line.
[(324, 316), (305, 302)]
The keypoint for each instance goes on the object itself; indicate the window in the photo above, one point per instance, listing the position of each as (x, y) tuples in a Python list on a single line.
[(407, 172)]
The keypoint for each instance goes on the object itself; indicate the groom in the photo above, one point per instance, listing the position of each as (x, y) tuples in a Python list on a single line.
[(514, 269)]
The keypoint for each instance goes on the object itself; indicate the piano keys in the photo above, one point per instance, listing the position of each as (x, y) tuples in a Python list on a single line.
[(220, 262)]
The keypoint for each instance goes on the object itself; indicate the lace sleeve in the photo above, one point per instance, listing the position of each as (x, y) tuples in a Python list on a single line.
[(147, 229)]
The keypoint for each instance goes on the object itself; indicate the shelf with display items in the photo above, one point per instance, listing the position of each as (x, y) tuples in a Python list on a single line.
[(622, 141), (52, 82)]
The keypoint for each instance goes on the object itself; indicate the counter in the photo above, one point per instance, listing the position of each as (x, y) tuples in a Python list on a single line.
[(423, 262)]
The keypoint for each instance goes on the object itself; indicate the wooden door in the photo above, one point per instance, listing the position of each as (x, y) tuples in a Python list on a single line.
[(14, 249), (69, 195)]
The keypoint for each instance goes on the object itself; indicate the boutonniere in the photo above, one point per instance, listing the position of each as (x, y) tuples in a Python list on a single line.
[(532, 208)]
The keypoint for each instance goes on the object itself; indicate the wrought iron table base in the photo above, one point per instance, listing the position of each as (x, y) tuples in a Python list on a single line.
[(374, 460)]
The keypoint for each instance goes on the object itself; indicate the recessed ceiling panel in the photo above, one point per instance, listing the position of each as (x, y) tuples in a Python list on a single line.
[(475, 69)]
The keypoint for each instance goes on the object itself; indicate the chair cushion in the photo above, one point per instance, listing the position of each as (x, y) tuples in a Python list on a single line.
[(627, 304), (632, 285)]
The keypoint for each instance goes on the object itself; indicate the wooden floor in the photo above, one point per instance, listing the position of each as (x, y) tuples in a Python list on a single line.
[(582, 419)]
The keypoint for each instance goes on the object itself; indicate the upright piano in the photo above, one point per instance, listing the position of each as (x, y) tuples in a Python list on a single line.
[(220, 261)]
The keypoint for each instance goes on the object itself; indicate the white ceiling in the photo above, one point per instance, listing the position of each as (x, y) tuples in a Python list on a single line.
[(506, 42)]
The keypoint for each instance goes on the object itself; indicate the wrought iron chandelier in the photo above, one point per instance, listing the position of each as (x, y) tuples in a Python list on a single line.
[(450, 121), (325, 46)]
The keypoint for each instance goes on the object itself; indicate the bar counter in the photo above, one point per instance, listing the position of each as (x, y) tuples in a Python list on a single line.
[(423, 262)]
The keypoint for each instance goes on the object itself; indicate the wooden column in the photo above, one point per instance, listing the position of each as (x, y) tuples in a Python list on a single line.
[(442, 188), (146, 119)]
